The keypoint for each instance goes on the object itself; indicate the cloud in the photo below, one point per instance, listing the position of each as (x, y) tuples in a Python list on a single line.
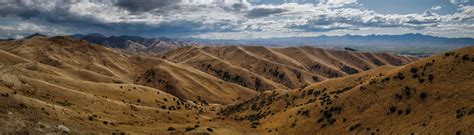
[(25, 28), (459, 1), (146, 5), (184, 18), (262, 12), (435, 8)]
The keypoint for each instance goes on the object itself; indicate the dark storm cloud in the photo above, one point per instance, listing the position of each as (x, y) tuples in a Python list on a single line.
[(236, 7), (12, 7), (263, 12), (176, 18), (58, 14), (147, 5)]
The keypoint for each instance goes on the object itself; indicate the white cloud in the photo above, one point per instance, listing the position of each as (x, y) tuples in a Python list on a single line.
[(436, 7), (459, 1), (205, 17), (17, 30)]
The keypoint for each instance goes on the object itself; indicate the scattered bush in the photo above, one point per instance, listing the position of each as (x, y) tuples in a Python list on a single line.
[(408, 111), (210, 130), (91, 118), (189, 128), (421, 80), (133, 108), (413, 70), (423, 95), (465, 57), (354, 126), (392, 109), (449, 53), (171, 129), (430, 77), (400, 76), (255, 124), (400, 112), (117, 81)]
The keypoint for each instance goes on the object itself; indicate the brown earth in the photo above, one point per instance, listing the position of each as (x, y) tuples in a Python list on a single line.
[(50, 84)]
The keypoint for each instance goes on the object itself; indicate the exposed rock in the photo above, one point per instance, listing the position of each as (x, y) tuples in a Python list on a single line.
[(63, 129)]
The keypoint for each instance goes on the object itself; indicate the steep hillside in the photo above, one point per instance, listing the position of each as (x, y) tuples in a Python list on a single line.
[(59, 84), (262, 68), (62, 85), (83, 61), (433, 95), (134, 44), (37, 98), (188, 83)]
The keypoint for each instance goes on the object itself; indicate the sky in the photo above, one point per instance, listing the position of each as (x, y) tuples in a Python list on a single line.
[(236, 19)]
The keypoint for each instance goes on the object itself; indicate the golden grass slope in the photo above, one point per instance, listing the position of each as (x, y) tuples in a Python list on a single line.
[(263, 68), (431, 96), (48, 83), (82, 61)]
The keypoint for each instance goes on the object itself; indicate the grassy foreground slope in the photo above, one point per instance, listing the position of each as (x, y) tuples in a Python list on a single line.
[(433, 95)]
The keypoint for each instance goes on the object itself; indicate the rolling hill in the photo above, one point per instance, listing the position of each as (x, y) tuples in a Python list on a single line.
[(263, 68), (133, 44), (64, 85), (430, 96)]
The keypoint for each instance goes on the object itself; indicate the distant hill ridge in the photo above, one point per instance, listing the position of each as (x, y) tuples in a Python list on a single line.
[(409, 39), (134, 44)]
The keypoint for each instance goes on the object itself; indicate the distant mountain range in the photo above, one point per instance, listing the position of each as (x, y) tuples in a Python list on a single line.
[(133, 43), (402, 44), (352, 40), (411, 44)]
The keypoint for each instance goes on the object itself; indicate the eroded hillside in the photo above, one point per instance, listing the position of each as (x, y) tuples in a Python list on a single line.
[(433, 95), (263, 68), (59, 85)]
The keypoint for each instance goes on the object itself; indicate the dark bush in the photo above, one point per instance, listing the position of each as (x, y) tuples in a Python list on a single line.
[(210, 130), (400, 76), (449, 53), (189, 128), (408, 111), (421, 80), (393, 109), (5, 95), (423, 95), (354, 126), (465, 57), (430, 77), (413, 70), (398, 97), (171, 129), (407, 91)]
